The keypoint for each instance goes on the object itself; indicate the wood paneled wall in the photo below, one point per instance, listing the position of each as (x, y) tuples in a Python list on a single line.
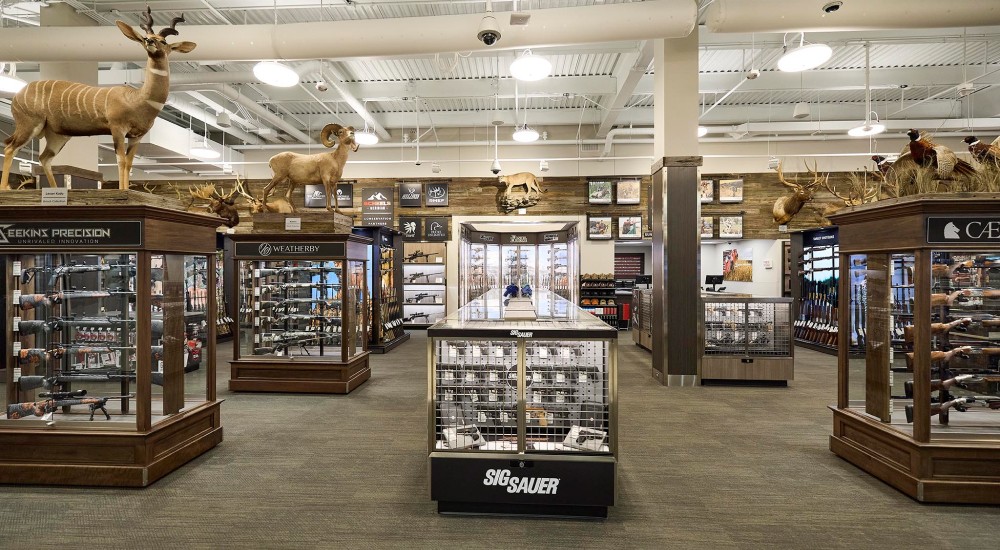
[(568, 196)]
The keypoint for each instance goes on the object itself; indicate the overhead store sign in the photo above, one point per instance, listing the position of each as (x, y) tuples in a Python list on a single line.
[(376, 206), (410, 228), (956, 229), (436, 229), (410, 194), (281, 249), (437, 194), (46, 234)]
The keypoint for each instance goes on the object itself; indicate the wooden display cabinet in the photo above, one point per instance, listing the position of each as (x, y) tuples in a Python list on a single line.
[(303, 313), (918, 411), (111, 302), (385, 288)]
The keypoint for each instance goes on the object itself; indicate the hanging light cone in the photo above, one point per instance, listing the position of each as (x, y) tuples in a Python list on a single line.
[(525, 134), (702, 131), (530, 67), (365, 137), (9, 82), (276, 74), (804, 56)]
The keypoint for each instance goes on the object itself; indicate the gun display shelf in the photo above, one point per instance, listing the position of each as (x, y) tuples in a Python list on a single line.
[(921, 409), (424, 283), (597, 296), (385, 292), (303, 321), (642, 317), (224, 323), (110, 344), (748, 339), (523, 414)]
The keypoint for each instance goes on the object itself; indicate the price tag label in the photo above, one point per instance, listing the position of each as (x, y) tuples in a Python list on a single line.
[(256, 338), (504, 417), (482, 416), (256, 291), (452, 351), (536, 397), (560, 398), (536, 377), (560, 377), (437, 299), (477, 351), (470, 377), (17, 295), (543, 353), (256, 321), (293, 224), (16, 346), (439, 280), (493, 376), (582, 378), (17, 321), (17, 372), (498, 351), (17, 269), (256, 273), (474, 396), (449, 396), (493, 395), (449, 376), (159, 366), (994, 335), (564, 352), (439, 260)]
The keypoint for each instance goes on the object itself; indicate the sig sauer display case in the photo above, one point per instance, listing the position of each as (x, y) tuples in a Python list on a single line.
[(921, 409), (522, 414), (109, 332), (303, 313)]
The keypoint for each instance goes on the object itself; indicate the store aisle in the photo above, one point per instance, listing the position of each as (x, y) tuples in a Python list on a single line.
[(716, 467)]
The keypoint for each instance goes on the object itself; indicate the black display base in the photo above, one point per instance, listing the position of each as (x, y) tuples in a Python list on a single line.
[(522, 510), (389, 346), (829, 350), (758, 383)]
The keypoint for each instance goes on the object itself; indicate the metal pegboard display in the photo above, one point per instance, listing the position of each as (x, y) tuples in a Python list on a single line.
[(752, 327)]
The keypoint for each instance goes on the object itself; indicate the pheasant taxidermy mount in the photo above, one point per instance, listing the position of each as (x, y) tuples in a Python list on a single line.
[(928, 154), (986, 154)]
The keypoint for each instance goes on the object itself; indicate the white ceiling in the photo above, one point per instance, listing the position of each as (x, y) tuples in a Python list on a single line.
[(914, 78)]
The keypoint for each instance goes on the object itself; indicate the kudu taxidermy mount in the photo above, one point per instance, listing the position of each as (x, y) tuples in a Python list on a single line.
[(59, 110)]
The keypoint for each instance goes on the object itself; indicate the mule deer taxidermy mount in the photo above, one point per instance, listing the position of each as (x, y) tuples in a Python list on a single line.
[(296, 168), (785, 208), (59, 110)]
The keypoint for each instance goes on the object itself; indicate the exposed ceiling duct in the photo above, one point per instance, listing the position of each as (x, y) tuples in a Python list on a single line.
[(849, 15), (235, 96), (364, 38)]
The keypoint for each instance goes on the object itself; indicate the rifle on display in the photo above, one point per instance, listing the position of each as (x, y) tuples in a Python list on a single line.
[(418, 254), (29, 273), (942, 356), (938, 328), (283, 286), (418, 297), (288, 301), (56, 400), (331, 321), (296, 338), (264, 272), (87, 375), (31, 301), (960, 404), (413, 278), (426, 316), (969, 382)]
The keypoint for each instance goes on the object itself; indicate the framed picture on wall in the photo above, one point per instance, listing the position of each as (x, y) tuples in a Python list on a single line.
[(706, 191), (731, 190), (627, 192), (707, 227), (599, 192), (730, 227), (599, 228), (629, 227)]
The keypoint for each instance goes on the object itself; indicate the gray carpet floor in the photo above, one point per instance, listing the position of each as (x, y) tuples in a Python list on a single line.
[(704, 467)]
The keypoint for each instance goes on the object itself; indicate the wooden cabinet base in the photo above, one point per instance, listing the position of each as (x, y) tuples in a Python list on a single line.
[(390, 345), (940, 472), (109, 459), (743, 368), (298, 375)]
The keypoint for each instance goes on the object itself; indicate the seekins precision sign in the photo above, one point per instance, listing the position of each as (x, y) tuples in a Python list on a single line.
[(62, 234)]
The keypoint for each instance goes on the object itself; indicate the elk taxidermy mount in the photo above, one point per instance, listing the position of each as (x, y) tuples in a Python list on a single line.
[(59, 110), (222, 205), (785, 208), (258, 206), (511, 200), (296, 169)]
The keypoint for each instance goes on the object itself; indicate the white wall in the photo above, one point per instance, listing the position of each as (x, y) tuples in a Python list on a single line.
[(766, 282)]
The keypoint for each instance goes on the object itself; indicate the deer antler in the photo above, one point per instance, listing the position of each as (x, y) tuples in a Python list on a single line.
[(781, 177), (240, 188), (833, 191), (147, 24), (205, 192), (171, 30), (817, 179)]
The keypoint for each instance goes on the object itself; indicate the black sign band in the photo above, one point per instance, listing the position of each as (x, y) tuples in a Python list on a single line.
[(823, 237), (957, 230), (293, 250), (63, 234)]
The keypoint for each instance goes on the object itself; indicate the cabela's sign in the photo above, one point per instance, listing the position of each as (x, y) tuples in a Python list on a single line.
[(956, 229), (43, 234)]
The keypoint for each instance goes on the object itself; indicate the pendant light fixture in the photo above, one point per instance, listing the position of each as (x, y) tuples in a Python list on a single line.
[(530, 67), (869, 128), (523, 133), (203, 149), (804, 56), (276, 74), (702, 131), (9, 82), (365, 136)]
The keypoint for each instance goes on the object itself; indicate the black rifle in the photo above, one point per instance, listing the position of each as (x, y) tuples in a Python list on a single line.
[(413, 278), (288, 301), (28, 274), (31, 301), (960, 404), (293, 269), (333, 321), (87, 375), (426, 316), (46, 409), (417, 254), (283, 286), (418, 297), (298, 338)]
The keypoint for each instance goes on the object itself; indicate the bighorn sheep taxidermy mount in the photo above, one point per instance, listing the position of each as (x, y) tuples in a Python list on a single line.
[(296, 168), (785, 208), (223, 205), (511, 201), (257, 206), (59, 110)]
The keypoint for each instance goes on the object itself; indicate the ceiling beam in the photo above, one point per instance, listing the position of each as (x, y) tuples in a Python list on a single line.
[(358, 106), (628, 75)]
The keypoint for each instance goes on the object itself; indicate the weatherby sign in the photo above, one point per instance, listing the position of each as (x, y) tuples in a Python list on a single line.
[(376, 206)]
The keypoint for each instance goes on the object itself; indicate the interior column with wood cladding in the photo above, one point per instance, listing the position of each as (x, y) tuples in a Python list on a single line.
[(675, 211)]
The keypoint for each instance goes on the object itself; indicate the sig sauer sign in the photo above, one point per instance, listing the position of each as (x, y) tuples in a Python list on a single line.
[(42, 234), (956, 230)]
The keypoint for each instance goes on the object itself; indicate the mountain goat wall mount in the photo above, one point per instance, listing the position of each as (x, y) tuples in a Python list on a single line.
[(296, 168), (59, 110)]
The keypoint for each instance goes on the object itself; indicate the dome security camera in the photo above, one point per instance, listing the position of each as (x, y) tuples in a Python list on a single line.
[(489, 30), (752, 74), (322, 86), (495, 167), (831, 7)]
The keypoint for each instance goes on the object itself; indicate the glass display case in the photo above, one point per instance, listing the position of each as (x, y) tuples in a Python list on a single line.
[(748, 339), (642, 317), (921, 409), (109, 329), (516, 404), (385, 288), (424, 282), (303, 322)]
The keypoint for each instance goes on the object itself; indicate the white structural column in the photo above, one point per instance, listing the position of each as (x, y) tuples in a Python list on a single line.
[(79, 152), (677, 309)]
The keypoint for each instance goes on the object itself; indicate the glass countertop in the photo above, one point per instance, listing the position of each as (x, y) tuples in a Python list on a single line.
[(554, 315)]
